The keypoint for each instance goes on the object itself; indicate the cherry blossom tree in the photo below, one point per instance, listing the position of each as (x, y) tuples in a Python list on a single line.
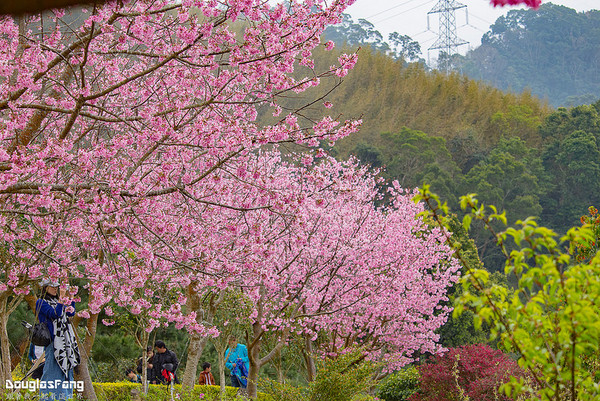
[(115, 115), (324, 260), (307, 246)]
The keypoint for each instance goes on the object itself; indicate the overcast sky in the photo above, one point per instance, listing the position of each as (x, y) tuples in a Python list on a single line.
[(409, 17)]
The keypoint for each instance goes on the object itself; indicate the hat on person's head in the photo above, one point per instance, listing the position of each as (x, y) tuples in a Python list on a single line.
[(49, 283)]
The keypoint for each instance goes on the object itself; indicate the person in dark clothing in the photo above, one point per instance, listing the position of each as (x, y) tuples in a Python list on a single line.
[(140, 363), (164, 365)]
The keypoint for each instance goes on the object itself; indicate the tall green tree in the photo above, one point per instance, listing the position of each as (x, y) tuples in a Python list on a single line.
[(552, 319), (412, 157), (574, 163), (570, 157), (512, 178), (404, 47), (356, 34), (563, 122)]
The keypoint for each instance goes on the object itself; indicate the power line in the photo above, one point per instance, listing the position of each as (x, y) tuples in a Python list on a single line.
[(481, 19), (474, 27), (391, 8), (420, 33), (405, 11)]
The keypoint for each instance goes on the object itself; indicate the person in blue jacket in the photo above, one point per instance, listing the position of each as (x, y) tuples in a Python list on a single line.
[(236, 360), (62, 354)]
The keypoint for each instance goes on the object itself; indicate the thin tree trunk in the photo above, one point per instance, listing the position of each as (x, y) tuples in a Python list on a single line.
[(254, 345), (30, 299), (221, 355), (196, 344), (5, 371), (311, 369), (16, 359), (279, 366), (145, 378), (254, 357), (85, 349)]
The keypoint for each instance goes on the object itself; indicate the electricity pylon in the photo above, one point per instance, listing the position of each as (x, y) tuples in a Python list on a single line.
[(447, 41)]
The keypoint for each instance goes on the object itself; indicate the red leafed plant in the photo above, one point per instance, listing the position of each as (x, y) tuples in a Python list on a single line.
[(473, 372)]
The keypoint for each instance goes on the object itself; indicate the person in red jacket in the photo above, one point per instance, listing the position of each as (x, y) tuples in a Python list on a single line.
[(206, 378)]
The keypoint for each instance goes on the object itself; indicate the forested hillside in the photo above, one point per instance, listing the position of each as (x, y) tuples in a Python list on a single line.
[(389, 94), (553, 51), (463, 136)]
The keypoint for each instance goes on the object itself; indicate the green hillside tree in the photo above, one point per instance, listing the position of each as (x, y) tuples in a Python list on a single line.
[(412, 157), (356, 34), (512, 178), (574, 163), (404, 47), (563, 122)]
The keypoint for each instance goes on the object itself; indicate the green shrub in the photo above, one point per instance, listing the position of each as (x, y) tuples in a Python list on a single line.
[(109, 372), (283, 391), (345, 378), (342, 378), (400, 385)]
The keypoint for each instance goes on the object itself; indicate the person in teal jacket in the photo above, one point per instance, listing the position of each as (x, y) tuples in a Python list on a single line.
[(236, 360)]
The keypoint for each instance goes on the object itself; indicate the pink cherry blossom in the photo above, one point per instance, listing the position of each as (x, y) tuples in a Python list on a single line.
[(529, 3), (131, 160)]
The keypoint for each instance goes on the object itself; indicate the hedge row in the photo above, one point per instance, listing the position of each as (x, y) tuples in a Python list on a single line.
[(126, 391)]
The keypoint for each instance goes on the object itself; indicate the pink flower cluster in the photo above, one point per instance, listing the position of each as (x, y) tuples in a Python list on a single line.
[(529, 3)]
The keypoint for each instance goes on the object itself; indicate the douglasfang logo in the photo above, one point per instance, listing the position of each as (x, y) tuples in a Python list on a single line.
[(35, 385)]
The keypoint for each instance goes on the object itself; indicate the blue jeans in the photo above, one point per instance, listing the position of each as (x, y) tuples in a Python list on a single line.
[(56, 383), (235, 382)]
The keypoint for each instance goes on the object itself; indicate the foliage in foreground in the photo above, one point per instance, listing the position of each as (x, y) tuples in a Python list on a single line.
[(128, 391), (346, 377), (552, 319), (125, 391), (399, 386)]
